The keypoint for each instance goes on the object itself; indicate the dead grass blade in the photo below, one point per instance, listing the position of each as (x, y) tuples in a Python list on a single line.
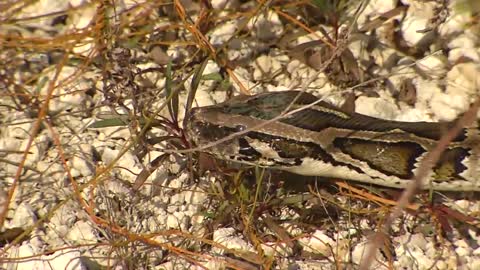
[(425, 168)]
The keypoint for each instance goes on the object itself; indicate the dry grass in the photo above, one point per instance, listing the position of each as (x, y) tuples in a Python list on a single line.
[(118, 64)]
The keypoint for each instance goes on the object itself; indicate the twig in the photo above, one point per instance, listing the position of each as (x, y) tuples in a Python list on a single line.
[(424, 169)]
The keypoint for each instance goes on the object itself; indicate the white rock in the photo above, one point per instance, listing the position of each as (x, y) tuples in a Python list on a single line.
[(448, 107), (109, 155), (463, 79), (228, 238), (61, 221), (177, 198), (219, 96), (412, 240), (211, 67), (347, 234), (409, 114), (39, 9), (9, 144), (269, 249), (417, 249), (457, 53), (53, 171), (81, 165), (116, 187), (359, 252), (243, 76), (82, 232), (417, 240), (3, 200), (25, 250), (426, 89), (417, 19), (214, 265), (224, 4), (319, 243), (76, 3), (462, 243), (69, 96), (172, 208), (358, 47), (463, 252), (276, 249), (126, 161), (20, 127), (462, 45), (266, 26), (198, 220), (222, 33), (63, 260), (195, 197), (37, 199), (377, 107), (79, 20), (383, 58), (168, 265), (23, 216), (239, 49), (202, 98), (177, 54), (37, 150), (263, 66), (457, 21), (473, 234), (179, 181), (445, 106), (293, 66), (475, 263), (441, 265), (423, 261), (433, 65), (376, 8), (177, 220)]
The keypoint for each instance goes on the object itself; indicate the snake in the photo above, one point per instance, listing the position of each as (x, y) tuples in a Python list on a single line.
[(300, 133)]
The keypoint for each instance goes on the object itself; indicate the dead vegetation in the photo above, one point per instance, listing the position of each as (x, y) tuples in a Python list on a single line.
[(127, 76)]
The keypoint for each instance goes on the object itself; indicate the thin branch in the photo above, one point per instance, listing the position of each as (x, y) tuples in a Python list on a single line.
[(424, 169)]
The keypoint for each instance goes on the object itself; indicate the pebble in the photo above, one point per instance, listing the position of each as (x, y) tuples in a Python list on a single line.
[(319, 243), (418, 16), (82, 232), (228, 238), (24, 216), (446, 82)]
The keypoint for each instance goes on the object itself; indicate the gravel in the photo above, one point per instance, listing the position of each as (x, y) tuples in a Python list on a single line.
[(75, 200)]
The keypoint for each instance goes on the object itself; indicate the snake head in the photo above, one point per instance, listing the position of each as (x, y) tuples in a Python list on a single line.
[(205, 128)]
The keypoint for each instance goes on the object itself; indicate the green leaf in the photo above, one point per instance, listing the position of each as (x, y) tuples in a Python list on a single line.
[(467, 6), (197, 76), (172, 98), (324, 5), (112, 122), (213, 77), (244, 192)]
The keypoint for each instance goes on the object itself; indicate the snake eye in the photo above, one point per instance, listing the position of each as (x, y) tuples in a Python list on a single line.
[(240, 128)]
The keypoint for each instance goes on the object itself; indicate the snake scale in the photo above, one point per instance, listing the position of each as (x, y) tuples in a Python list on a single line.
[(323, 140)]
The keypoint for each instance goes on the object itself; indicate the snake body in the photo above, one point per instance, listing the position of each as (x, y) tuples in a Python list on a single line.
[(323, 140)]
